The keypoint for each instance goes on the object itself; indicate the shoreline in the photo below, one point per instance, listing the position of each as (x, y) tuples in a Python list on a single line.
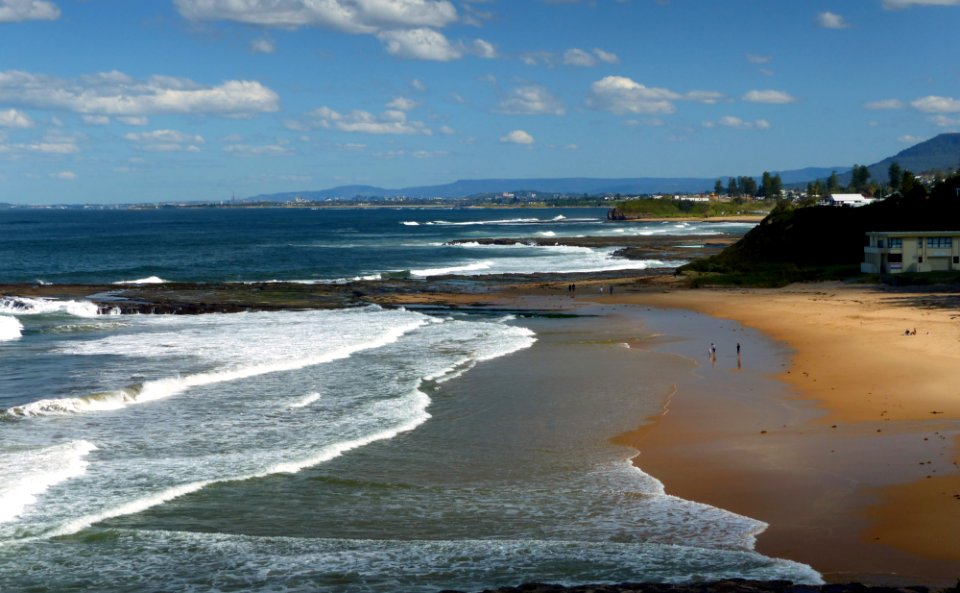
[(855, 468), (847, 462)]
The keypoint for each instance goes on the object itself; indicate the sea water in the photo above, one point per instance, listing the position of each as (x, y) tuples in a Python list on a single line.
[(361, 449), (304, 245)]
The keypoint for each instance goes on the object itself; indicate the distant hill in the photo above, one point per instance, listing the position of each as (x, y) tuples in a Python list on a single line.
[(465, 188), (940, 153)]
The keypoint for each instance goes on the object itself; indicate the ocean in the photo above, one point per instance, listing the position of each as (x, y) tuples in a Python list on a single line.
[(361, 449)]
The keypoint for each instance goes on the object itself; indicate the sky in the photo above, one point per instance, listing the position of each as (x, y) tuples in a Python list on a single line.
[(129, 101)]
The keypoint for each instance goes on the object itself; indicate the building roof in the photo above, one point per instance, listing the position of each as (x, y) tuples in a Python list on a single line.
[(915, 233), (848, 198)]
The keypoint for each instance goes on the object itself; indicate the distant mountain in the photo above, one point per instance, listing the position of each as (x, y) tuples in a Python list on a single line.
[(939, 153), (570, 185)]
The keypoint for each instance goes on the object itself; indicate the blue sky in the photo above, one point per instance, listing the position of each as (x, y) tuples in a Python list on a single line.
[(111, 101)]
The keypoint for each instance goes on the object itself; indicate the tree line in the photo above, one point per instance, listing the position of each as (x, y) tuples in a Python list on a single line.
[(861, 182), (770, 186)]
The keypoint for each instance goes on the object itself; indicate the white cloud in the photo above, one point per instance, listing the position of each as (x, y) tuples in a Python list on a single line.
[(910, 139), (14, 11), (96, 120), (447, 130), (257, 150), (429, 154), (758, 59), (942, 121), (831, 20), (531, 100), (768, 96), (115, 93), (605, 56), (708, 97), (64, 175), (408, 28), (131, 120), (517, 137), (11, 118), (578, 57), (402, 104), (482, 48), (389, 122), (620, 95), (350, 16), (885, 104), (898, 4), (935, 104), (50, 147), (730, 121), (419, 44), (418, 85), (263, 46), (166, 141)]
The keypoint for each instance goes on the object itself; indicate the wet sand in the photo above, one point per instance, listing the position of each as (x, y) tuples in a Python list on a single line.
[(853, 463)]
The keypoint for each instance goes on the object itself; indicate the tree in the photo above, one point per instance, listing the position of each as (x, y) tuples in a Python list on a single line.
[(907, 182), (718, 187), (895, 175), (833, 183), (732, 188), (859, 178), (765, 185), (774, 186)]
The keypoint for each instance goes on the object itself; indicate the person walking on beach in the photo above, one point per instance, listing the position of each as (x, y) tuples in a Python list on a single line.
[(738, 348)]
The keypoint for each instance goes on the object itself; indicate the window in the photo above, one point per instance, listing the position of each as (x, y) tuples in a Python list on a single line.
[(895, 243), (939, 242), (895, 258), (880, 243)]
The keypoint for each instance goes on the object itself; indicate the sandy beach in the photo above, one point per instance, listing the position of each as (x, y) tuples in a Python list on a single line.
[(855, 464)]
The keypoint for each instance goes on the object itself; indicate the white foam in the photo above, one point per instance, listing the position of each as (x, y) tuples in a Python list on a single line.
[(27, 474), (171, 386), (304, 401), (10, 328), (147, 280), (39, 306), (547, 234), (410, 223), (252, 427), (471, 267), (419, 404), (134, 506)]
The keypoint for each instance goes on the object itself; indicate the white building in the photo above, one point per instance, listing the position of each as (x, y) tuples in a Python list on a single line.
[(852, 200)]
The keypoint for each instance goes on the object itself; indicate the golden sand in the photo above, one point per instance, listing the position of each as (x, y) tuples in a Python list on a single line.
[(862, 479)]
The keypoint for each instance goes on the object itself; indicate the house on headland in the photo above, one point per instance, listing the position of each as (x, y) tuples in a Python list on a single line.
[(893, 252), (853, 200)]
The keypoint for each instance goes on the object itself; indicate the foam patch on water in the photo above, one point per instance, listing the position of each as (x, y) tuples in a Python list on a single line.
[(252, 348), (304, 401), (147, 280), (256, 409), (164, 560), (40, 306), (27, 474), (10, 328)]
